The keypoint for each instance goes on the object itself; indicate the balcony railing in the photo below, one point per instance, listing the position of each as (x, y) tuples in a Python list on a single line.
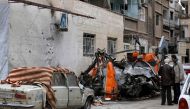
[(166, 22)]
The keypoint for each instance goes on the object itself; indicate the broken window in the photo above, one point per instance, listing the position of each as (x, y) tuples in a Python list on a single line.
[(88, 44), (111, 45)]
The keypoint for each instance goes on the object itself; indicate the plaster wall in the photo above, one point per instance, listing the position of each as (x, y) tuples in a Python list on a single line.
[(34, 41)]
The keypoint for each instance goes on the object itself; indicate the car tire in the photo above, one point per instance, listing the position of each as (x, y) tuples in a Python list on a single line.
[(88, 103)]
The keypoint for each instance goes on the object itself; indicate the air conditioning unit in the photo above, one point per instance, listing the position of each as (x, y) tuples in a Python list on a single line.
[(63, 24)]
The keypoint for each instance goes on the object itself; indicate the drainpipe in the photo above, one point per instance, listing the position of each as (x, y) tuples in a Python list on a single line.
[(153, 10)]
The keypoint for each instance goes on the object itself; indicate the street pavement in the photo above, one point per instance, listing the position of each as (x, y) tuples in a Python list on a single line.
[(153, 103)]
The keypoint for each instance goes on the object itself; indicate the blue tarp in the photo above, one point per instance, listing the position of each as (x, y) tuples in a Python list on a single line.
[(4, 12)]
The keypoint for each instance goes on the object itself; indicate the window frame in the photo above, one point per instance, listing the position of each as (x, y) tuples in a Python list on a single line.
[(114, 42), (86, 38), (157, 19)]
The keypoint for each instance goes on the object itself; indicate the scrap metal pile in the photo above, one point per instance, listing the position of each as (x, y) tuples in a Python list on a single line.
[(133, 79)]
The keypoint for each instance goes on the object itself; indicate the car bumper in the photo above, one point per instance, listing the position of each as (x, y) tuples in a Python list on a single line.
[(16, 105)]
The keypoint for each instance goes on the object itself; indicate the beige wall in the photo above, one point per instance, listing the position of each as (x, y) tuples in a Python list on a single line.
[(158, 7), (130, 24), (165, 3), (142, 27)]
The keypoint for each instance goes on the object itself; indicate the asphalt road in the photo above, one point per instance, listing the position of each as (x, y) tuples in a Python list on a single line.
[(153, 103)]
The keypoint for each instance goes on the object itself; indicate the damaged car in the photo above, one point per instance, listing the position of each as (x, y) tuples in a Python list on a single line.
[(140, 80), (39, 88), (134, 79)]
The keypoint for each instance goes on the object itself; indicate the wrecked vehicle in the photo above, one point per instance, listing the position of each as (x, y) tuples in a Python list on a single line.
[(42, 87), (135, 79), (140, 80)]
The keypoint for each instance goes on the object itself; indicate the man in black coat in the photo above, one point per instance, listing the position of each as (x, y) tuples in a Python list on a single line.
[(167, 79)]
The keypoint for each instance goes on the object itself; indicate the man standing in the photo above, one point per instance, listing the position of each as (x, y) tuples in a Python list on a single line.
[(179, 77), (167, 79)]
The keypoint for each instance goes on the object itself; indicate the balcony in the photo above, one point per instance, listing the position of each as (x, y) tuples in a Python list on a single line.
[(166, 22), (172, 24), (185, 16)]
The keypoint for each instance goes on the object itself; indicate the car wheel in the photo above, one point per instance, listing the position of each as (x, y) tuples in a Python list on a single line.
[(88, 103)]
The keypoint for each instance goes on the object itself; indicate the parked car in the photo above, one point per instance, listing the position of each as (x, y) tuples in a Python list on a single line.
[(186, 67), (184, 99), (67, 91)]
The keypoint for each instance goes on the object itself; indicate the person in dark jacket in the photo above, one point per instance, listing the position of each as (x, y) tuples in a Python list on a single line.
[(167, 80)]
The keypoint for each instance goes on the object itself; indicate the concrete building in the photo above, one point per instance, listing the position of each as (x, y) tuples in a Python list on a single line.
[(184, 38), (35, 40), (143, 19)]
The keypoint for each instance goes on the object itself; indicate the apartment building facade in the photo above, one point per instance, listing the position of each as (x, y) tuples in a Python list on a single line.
[(36, 38), (184, 38), (143, 19), (149, 20)]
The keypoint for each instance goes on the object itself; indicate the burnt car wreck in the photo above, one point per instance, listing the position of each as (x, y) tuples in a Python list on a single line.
[(134, 80)]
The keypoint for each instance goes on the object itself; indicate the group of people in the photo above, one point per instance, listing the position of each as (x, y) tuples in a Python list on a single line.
[(171, 77)]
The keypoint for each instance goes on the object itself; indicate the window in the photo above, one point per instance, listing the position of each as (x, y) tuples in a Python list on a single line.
[(128, 38), (88, 44), (187, 56), (111, 45), (171, 15), (165, 14), (72, 79), (111, 6), (157, 19), (126, 46), (58, 79), (183, 34), (171, 33)]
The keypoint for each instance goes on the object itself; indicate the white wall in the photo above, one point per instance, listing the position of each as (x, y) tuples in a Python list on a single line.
[(30, 42), (35, 42), (106, 24)]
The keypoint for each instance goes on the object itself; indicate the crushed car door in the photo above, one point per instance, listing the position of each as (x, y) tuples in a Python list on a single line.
[(75, 96), (60, 88)]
